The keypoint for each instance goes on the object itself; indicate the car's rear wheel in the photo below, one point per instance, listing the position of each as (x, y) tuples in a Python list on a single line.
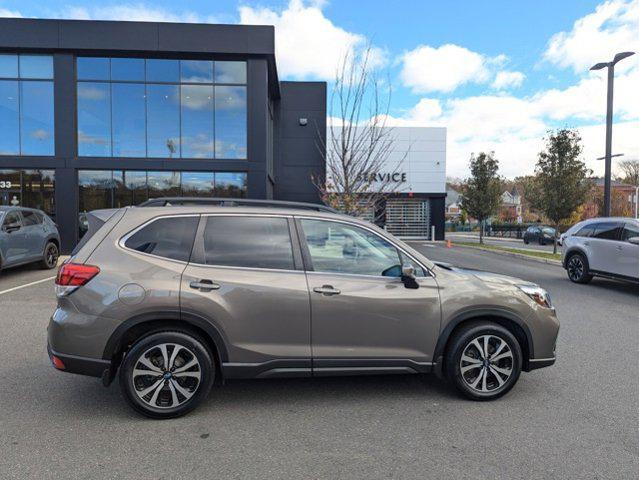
[(50, 256), (167, 374), (577, 268), (484, 361)]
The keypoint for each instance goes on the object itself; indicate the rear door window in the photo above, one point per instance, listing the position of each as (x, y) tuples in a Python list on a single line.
[(607, 231), (170, 237), (30, 217), (629, 231), (249, 242)]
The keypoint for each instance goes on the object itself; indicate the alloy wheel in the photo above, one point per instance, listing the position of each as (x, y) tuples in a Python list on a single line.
[(486, 363), (51, 255), (166, 375), (575, 268)]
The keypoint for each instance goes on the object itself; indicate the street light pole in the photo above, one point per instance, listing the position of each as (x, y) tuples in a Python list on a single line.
[(609, 113)]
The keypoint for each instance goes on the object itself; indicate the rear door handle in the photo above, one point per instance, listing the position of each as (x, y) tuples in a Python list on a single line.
[(204, 285), (327, 290)]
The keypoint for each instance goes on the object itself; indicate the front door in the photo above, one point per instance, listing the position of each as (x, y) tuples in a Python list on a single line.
[(363, 316), (604, 247), (247, 280), (13, 244)]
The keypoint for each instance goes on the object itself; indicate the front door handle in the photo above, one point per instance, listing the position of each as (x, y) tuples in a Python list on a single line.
[(327, 290), (204, 285)]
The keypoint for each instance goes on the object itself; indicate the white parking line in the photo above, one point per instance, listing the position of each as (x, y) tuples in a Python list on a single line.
[(26, 285)]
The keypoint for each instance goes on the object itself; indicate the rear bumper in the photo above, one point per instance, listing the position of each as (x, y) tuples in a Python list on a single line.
[(535, 363), (92, 367)]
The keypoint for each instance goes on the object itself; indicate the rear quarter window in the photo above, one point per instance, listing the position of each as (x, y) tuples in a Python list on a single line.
[(170, 237)]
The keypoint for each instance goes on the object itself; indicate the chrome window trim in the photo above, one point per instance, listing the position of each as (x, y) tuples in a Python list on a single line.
[(394, 244), (123, 239)]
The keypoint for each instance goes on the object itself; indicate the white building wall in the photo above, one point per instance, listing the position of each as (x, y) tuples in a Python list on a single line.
[(420, 152)]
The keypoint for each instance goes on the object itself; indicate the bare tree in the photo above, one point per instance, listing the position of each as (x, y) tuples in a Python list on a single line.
[(358, 144), (629, 172)]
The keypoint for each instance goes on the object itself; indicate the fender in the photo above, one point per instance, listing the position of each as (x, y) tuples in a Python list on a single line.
[(571, 250), (188, 318), (478, 313)]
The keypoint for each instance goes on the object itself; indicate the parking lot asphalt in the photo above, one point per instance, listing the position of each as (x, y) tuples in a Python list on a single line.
[(576, 420)]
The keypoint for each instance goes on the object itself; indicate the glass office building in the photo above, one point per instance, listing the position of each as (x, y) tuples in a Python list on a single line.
[(108, 114)]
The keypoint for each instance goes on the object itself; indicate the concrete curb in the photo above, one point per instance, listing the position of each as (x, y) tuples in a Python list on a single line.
[(548, 261)]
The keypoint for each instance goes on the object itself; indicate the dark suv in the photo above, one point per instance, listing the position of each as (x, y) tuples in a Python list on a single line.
[(176, 298)]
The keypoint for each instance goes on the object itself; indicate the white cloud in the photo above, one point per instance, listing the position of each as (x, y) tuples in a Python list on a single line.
[(308, 45), (427, 69), (506, 79), (139, 12), (613, 27), (9, 13)]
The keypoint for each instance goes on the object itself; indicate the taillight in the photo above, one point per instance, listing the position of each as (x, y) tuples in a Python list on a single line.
[(73, 275)]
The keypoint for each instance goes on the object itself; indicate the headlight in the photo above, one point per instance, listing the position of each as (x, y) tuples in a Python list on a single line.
[(538, 294)]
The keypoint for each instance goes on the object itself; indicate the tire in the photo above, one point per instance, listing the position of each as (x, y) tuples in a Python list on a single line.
[(526, 241), (168, 395), (50, 256), (578, 269), (500, 375), (542, 242)]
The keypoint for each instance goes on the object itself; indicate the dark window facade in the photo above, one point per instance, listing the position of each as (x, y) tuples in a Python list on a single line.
[(160, 108), (120, 188), (28, 188), (26, 105)]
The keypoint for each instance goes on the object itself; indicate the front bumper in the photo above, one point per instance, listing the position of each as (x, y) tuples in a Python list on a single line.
[(92, 367)]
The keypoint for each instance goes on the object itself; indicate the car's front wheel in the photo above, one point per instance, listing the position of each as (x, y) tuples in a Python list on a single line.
[(483, 361), (167, 374), (577, 268)]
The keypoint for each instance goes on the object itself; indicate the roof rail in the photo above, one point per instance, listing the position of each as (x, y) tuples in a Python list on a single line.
[(232, 202)]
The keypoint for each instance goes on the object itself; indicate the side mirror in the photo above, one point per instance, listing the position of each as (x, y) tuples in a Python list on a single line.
[(408, 276), (634, 240), (11, 227)]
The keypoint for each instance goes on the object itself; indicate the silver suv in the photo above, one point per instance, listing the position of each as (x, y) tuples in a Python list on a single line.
[(174, 299), (607, 247)]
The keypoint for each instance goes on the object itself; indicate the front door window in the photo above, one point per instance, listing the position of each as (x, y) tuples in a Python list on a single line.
[(340, 248)]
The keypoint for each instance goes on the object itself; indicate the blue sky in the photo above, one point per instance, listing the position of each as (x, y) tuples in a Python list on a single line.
[(497, 73)]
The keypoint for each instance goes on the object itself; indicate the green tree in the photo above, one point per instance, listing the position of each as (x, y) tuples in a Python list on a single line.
[(561, 183), (481, 192)]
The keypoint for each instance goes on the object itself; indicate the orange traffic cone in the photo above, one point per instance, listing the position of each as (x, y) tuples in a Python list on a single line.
[(449, 244)]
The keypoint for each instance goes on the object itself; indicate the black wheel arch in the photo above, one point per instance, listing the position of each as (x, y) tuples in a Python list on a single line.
[(507, 319), (144, 324), (572, 251)]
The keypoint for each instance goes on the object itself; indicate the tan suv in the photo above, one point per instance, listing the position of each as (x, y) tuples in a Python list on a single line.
[(177, 298)]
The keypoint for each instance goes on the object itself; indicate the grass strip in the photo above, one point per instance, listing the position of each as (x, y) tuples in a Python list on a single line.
[(529, 253)]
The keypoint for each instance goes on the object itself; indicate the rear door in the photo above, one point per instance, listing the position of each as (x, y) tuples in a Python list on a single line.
[(363, 316), (604, 245), (34, 233), (629, 256), (246, 278)]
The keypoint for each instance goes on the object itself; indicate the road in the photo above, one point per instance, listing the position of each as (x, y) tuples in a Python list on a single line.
[(576, 420), (499, 241)]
